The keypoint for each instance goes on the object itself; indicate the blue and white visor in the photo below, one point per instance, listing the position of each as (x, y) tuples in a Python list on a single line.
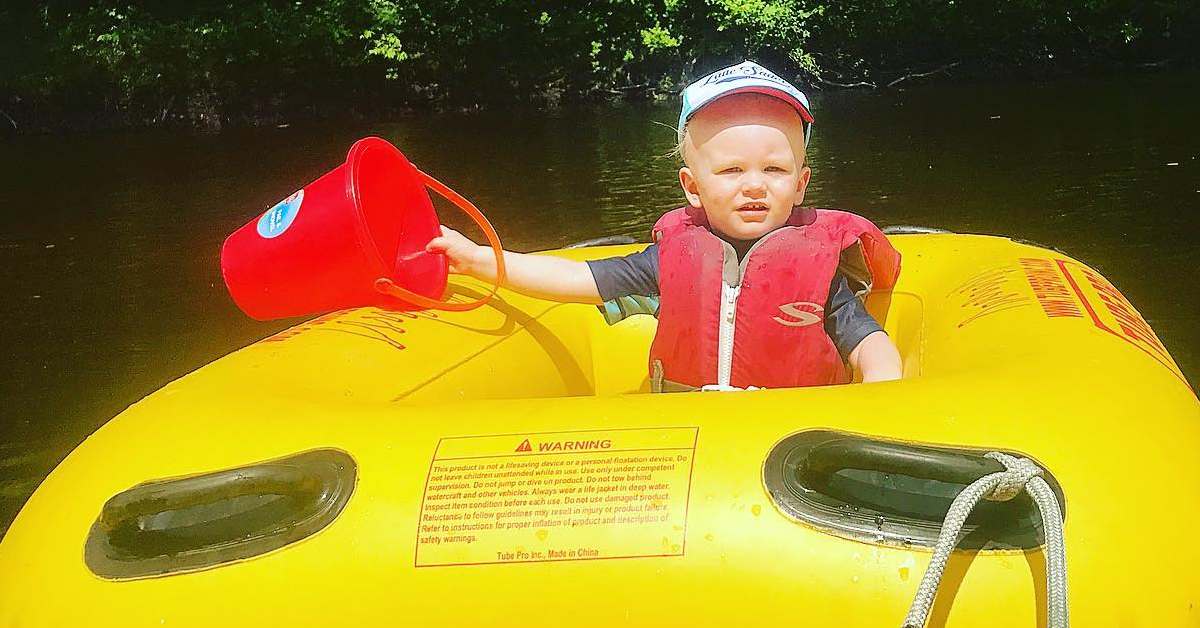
[(744, 77)]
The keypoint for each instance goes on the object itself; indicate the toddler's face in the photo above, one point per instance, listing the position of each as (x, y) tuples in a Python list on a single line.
[(745, 164)]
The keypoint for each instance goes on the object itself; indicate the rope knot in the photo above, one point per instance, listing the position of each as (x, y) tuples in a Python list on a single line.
[(1018, 472)]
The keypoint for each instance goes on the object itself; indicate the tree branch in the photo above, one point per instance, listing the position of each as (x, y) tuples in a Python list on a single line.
[(921, 74), (847, 85), (822, 80), (625, 89)]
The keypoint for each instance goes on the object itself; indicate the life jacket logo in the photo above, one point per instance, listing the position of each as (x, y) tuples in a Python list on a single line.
[(801, 313)]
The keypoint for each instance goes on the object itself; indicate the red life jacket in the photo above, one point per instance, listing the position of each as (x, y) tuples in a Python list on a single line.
[(773, 303)]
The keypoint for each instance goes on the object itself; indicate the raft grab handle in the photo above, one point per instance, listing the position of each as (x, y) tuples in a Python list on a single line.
[(184, 524), (894, 493), (929, 463)]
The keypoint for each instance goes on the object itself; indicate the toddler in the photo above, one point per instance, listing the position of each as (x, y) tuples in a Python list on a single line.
[(755, 290)]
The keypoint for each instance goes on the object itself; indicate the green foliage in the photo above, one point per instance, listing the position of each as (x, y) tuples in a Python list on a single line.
[(726, 31), (151, 61), (159, 60), (481, 51)]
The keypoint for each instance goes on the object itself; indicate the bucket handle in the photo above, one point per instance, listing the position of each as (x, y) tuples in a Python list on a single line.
[(390, 288)]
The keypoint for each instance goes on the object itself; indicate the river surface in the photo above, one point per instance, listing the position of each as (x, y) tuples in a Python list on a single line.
[(109, 242)]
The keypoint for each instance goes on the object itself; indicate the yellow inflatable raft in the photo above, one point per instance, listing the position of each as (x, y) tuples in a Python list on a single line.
[(502, 467)]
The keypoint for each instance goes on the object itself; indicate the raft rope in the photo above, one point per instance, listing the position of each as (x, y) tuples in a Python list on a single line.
[(1019, 473)]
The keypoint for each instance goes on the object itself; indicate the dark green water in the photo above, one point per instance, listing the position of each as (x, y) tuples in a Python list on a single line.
[(109, 243)]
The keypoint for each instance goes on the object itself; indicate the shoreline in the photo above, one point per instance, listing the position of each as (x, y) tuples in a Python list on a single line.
[(20, 118)]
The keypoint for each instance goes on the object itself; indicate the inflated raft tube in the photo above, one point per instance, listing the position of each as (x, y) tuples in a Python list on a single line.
[(500, 467)]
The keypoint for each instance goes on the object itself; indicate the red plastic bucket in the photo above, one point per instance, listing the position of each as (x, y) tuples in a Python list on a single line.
[(354, 237)]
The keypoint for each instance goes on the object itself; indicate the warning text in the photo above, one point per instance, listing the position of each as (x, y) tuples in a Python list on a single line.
[(542, 497)]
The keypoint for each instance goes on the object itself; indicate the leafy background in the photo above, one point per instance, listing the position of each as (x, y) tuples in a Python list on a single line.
[(117, 63)]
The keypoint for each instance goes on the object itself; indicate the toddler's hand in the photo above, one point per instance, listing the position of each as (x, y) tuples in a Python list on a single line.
[(465, 257)]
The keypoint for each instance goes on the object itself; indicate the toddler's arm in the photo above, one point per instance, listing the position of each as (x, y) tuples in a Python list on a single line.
[(876, 358), (540, 276)]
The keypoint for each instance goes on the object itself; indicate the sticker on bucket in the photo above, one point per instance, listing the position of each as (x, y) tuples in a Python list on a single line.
[(280, 217)]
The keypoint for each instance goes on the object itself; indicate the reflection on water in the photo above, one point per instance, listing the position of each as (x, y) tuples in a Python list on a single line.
[(110, 242)]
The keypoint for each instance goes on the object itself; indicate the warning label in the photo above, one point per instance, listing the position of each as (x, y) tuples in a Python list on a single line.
[(557, 496), (1112, 313)]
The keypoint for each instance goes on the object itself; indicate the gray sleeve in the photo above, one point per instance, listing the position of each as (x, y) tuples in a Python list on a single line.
[(846, 318), (635, 274)]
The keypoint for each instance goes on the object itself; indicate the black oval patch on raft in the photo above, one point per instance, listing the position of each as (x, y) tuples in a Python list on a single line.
[(883, 491), (184, 524)]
